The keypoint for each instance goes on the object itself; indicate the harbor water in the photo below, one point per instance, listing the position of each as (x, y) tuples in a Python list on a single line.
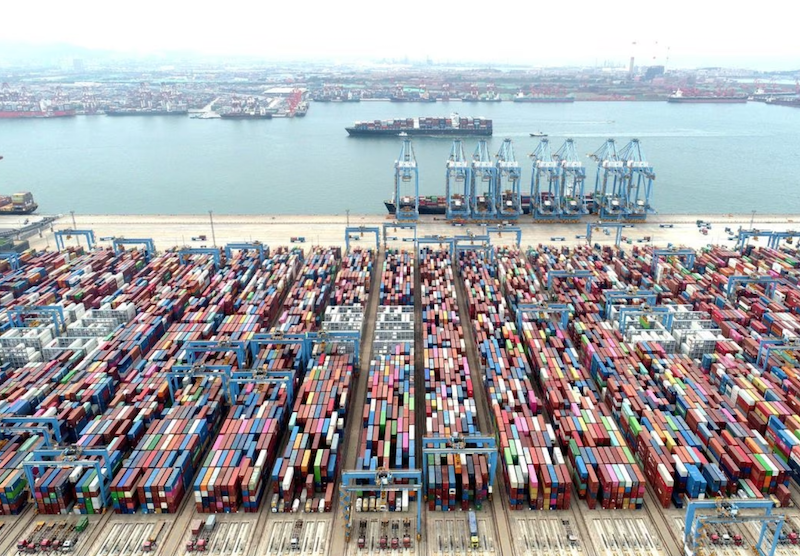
[(731, 158)]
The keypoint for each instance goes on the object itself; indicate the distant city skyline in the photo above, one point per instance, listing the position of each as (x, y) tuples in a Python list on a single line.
[(679, 34)]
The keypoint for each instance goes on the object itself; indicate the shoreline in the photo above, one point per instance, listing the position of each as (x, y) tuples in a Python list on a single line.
[(169, 230)]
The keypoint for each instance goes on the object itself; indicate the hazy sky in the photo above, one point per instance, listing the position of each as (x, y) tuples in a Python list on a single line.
[(697, 32)]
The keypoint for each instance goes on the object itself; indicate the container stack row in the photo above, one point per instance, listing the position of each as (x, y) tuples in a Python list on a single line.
[(236, 469), (388, 439), (304, 476), (453, 480), (533, 465)]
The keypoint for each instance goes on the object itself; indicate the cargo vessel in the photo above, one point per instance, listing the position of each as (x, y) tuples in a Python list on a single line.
[(65, 113), (18, 203), (782, 101), (543, 98), (147, 112), (679, 97), (254, 115), (437, 205), (455, 125)]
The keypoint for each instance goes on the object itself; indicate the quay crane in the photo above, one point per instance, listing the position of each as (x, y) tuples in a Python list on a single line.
[(609, 185), (406, 172), (457, 181), (483, 183), (545, 187), (509, 175), (573, 177), (639, 177)]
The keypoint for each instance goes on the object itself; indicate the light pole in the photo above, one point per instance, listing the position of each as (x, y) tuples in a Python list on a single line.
[(74, 226), (752, 218), (213, 235), (348, 217)]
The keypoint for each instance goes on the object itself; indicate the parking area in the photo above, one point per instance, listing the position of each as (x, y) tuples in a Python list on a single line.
[(58, 533), (383, 534), (227, 538), (449, 535), (623, 534), (297, 536), (546, 535), (126, 538)]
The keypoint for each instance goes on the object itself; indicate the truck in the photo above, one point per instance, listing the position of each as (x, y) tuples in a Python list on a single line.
[(150, 543), (395, 539), (362, 534), (384, 540), (472, 521), (297, 532), (406, 533)]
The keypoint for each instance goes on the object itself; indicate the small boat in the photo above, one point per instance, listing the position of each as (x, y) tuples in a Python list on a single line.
[(538, 134), (402, 134)]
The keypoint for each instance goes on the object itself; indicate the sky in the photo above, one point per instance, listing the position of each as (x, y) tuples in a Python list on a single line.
[(540, 33)]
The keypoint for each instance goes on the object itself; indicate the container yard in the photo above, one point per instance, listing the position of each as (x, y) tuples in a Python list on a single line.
[(457, 393)]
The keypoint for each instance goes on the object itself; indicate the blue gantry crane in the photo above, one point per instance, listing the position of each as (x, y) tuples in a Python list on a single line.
[(62, 235), (613, 297), (23, 315), (618, 227), (509, 179), (380, 481), (544, 308), (483, 184), (500, 229), (545, 184), (394, 226), (573, 177), (13, 259), (776, 237), (149, 247), (774, 344), (457, 182), (729, 512), (406, 175), (770, 283), (185, 254), (261, 249), (610, 181), (439, 241), (744, 235), (688, 256), (639, 178), (355, 233), (457, 445)]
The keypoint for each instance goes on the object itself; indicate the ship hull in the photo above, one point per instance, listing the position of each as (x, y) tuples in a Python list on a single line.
[(247, 116), (451, 132), (707, 100), (123, 113), (545, 99), (30, 209), (13, 114), (437, 209)]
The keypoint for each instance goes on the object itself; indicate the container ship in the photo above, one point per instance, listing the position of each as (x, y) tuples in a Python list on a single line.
[(18, 203), (437, 204), (679, 97), (247, 115), (778, 101), (543, 98), (455, 125), (147, 112)]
